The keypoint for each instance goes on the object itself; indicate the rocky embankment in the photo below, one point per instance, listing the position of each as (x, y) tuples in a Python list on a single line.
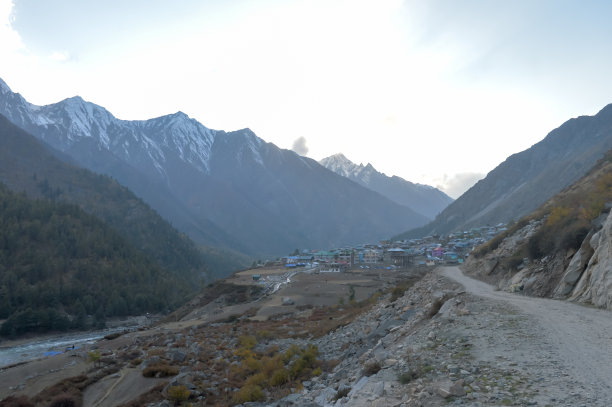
[(583, 275), (440, 344)]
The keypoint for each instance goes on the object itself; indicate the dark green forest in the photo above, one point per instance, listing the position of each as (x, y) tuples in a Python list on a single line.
[(27, 165), (62, 268)]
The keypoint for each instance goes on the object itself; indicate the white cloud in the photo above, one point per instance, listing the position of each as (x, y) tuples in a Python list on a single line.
[(455, 185), (299, 146), (10, 41)]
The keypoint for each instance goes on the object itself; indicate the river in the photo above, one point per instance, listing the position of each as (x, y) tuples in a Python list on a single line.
[(48, 346)]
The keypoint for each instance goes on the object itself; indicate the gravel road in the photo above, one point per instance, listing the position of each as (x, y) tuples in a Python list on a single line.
[(577, 340)]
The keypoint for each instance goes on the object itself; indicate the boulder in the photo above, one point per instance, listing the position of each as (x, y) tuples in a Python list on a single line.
[(287, 301), (451, 389), (595, 284), (574, 270), (177, 355)]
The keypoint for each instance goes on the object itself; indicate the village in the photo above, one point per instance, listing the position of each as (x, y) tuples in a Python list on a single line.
[(425, 252)]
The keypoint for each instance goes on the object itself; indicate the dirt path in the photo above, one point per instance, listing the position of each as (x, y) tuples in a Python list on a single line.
[(578, 339)]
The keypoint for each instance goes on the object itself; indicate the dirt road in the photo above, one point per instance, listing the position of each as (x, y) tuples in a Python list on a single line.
[(578, 339)]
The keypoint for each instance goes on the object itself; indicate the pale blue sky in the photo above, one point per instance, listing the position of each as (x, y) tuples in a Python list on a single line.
[(432, 91)]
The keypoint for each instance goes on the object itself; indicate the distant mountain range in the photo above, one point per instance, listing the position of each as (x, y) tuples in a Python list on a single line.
[(423, 199), (222, 189), (527, 179)]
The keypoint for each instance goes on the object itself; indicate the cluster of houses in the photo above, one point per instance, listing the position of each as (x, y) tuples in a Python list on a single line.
[(428, 251)]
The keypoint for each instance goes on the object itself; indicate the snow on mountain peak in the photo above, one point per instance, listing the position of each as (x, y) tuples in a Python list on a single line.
[(339, 164)]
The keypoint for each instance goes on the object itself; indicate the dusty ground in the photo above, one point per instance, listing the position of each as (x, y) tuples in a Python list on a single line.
[(573, 340), (306, 290), (39, 374)]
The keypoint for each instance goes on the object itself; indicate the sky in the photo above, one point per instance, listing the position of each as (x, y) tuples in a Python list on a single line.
[(437, 92)]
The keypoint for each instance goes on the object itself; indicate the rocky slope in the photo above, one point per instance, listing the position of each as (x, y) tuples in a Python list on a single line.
[(424, 199), (562, 250), (441, 342), (228, 189), (594, 284), (526, 180)]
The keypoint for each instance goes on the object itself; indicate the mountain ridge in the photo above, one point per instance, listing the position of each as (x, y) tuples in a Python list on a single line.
[(423, 199), (195, 177), (527, 179)]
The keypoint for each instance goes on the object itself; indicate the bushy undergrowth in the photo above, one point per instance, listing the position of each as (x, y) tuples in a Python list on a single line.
[(371, 368), (271, 370), (159, 370)]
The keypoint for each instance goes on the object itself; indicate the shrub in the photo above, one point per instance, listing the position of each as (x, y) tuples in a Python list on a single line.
[(271, 364), (258, 379), (371, 368), (247, 341), (306, 361), (159, 370), (342, 392), (249, 393), (17, 401), (253, 364), (514, 261), (63, 401), (112, 336), (264, 334), (558, 214), (540, 244), (407, 377), (291, 352), (94, 356), (573, 236), (178, 394), (279, 377)]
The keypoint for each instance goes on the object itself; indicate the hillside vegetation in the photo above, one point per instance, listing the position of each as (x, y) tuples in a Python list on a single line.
[(59, 264), (26, 165)]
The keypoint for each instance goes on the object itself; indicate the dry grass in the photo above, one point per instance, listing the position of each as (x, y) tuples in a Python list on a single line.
[(160, 370)]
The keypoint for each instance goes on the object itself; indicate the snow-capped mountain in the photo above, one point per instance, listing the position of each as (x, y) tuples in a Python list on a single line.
[(423, 199), (224, 189)]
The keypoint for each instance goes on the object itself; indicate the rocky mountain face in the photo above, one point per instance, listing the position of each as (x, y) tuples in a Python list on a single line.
[(527, 179), (222, 189), (562, 250), (423, 199)]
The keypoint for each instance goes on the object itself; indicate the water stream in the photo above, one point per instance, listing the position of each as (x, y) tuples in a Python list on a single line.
[(48, 346)]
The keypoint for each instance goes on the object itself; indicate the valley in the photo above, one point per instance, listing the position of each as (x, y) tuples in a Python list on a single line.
[(439, 338), (305, 204)]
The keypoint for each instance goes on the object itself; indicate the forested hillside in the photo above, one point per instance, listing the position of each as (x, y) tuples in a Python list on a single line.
[(26, 165), (59, 264)]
